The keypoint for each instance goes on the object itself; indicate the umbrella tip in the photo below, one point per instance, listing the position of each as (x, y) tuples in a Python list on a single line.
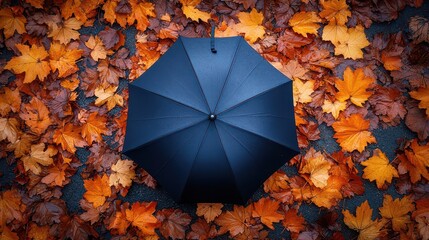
[(212, 117)]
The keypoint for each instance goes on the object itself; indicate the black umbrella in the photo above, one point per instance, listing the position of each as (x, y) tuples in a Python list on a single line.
[(211, 125)]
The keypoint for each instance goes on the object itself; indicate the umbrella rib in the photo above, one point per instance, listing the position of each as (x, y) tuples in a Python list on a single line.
[(196, 76), (193, 162), (173, 100), (255, 96), (157, 118), (229, 72), (257, 115)]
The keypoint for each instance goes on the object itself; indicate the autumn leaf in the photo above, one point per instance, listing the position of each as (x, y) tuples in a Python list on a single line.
[(65, 31), (97, 190), (11, 206), (56, 176), (173, 223), (140, 13), (351, 45), (379, 169), (329, 195), (276, 182), (251, 25), (141, 216), (335, 33), (108, 96), (266, 210), (122, 173), (335, 11), (119, 222), (362, 222), (38, 156), (293, 70), (10, 100), (352, 133), (397, 211), (354, 86), (9, 129), (36, 116), (318, 168), (190, 11), (305, 23), (235, 221), (94, 127), (333, 107), (69, 138), (209, 210), (302, 91), (422, 94), (11, 20), (419, 27), (32, 62), (37, 232), (97, 47), (293, 222), (63, 59), (7, 234)]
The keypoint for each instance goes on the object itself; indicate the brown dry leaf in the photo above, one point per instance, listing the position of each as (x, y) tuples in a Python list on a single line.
[(305, 23), (235, 221), (397, 211), (11, 20), (122, 173), (140, 12), (11, 206), (38, 156), (419, 27), (9, 129), (209, 210), (64, 59), (10, 100), (173, 223), (56, 176), (37, 232), (251, 25), (36, 115), (378, 168), (7, 234), (97, 190), (266, 209), (422, 94)]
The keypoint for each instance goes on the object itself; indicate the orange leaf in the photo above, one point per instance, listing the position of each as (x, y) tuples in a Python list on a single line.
[(9, 129), (38, 155), (11, 206), (97, 46), (276, 182), (10, 100), (379, 169), (251, 25), (352, 44), (36, 116), (119, 222), (97, 190), (362, 222), (266, 209), (7, 234), (354, 86), (333, 107), (32, 62), (56, 176), (352, 133), (422, 94), (65, 31), (36, 3), (209, 210), (302, 91), (234, 221), (69, 138), (141, 216), (108, 96), (63, 59), (318, 168), (397, 211), (330, 194), (37, 232), (305, 23), (335, 11), (11, 20), (293, 222), (335, 33), (140, 13), (122, 173), (93, 128), (190, 11)]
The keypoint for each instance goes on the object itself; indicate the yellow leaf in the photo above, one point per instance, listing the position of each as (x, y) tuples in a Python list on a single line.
[(354, 87), (333, 107), (318, 168), (367, 228), (97, 190), (422, 94), (335, 11), (378, 168), (97, 46), (108, 96), (352, 133), (209, 210), (226, 29), (251, 25), (195, 14), (11, 20), (352, 44), (32, 62), (38, 156), (334, 33), (122, 173), (66, 31), (294, 70), (63, 59), (302, 91), (397, 211), (305, 23)]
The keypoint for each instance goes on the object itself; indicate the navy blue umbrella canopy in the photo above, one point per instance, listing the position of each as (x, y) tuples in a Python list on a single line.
[(211, 127)]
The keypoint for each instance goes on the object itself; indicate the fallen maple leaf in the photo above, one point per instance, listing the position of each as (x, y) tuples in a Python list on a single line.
[(119, 222), (37, 232), (190, 11), (141, 216), (202, 230), (10, 100), (209, 210), (32, 62), (140, 12), (302, 91), (251, 25), (318, 168), (352, 133), (94, 127), (38, 155), (235, 221), (108, 96), (276, 182), (335, 33), (379, 169), (333, 107), (352, 44), (419, 27), (36, 116), (69, 138), (329, 195), (367, 228), (122, 173), (97, 190), (266, 210), (9, 129), (56, 176), (397, 211), (422, 94), (7, 234), (11, 206), (173, 223), (335, 11), (305, 23), (11, 20), (66, 31), (293, 222), (63, 59), (354, 86), (97, 47)]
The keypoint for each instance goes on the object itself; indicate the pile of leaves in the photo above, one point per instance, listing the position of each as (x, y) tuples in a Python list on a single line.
[(63, 88)]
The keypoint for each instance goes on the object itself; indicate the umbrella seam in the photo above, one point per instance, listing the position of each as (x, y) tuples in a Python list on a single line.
[(193, 162), (173, 100), (229, 73), (253, 97), (195, 73)]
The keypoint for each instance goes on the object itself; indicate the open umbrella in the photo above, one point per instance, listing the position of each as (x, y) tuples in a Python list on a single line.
[(211, 120)]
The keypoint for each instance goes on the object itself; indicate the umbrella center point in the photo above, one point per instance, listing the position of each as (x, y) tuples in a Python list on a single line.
[(212, 117)]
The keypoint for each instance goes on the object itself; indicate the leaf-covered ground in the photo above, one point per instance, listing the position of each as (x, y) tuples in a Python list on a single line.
[(360, 72)]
